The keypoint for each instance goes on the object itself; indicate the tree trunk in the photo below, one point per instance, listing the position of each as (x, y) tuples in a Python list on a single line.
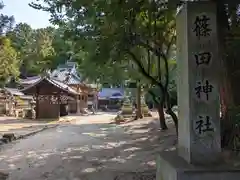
[(159, 106), (138, 99), (226, 93), (174, 117), (171, 112), (162, 119)]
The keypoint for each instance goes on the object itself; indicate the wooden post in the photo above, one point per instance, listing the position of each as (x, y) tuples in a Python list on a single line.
[(78, 104), (37, 103)]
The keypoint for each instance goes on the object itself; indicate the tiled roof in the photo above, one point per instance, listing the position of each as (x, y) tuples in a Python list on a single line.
[(30, 80), (62, 75), (63, 86), (54, 82), (109, 93), (65, 73), (14, 91)]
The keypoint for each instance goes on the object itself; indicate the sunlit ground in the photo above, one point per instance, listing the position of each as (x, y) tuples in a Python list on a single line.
[(87, 151)]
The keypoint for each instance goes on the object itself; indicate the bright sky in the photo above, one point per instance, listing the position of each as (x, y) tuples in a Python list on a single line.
[(24, 13)]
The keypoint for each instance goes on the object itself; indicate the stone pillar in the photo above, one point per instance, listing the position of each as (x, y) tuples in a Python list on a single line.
[(199, 149), (198, 83)]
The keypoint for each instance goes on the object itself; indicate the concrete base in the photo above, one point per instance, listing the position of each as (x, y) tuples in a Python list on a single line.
[(172, 167)]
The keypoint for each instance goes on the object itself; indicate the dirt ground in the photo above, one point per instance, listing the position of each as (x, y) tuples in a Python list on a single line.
[(89, 148)]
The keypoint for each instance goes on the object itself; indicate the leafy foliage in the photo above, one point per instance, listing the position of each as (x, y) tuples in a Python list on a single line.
[(117, 30), (34, 47), (8, 56), (8, 61), (6, 21)]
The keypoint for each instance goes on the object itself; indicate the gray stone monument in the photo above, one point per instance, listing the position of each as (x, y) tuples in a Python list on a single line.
[(198, 79), (199, 142)]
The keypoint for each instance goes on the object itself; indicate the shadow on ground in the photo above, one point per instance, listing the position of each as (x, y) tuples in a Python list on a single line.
[(89, 152)]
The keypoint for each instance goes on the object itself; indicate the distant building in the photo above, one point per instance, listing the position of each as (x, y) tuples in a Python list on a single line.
[(111, 98), (52, 97), (68, 74)]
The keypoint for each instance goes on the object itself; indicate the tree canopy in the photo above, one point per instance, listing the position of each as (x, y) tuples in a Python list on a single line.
[(8, 55), (113, 33), (118, 30), (9, 62), (34, 47), (6, 21)]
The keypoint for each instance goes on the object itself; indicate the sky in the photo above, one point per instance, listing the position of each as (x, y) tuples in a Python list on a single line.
[(24, 13)]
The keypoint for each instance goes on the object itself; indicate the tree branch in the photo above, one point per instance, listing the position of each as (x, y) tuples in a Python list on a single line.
[(165, 59), (170, 44), (144, 72), (155, 99), (156, 51)]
